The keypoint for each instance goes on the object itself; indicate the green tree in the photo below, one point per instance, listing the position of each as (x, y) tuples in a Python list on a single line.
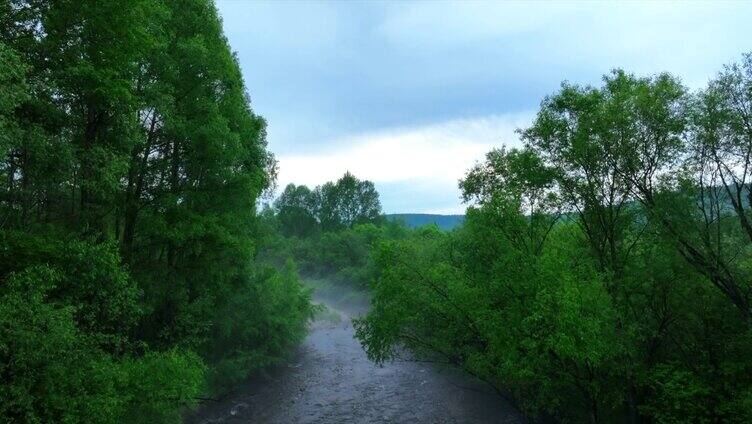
[(296, 210), (347, 202), (130, 167), (568, 287)]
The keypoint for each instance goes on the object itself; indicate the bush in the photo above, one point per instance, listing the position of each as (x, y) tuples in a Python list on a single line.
[(158, 386), (562, 337), (54, 373), (57, 373), (258, 325), (90, 279)]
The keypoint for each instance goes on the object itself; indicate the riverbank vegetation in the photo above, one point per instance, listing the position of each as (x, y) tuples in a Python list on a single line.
[(329, 232), (130, 166), (603, 270)]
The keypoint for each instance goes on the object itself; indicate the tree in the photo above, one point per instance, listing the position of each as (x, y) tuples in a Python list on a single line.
[(296, 210), (602, 273), (717, 166), (347, 202), (520, 188), (130, 165)]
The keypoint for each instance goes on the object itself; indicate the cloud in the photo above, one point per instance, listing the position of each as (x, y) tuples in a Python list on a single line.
[(425, 161), (445, 24), (574, 38), (356, 85)]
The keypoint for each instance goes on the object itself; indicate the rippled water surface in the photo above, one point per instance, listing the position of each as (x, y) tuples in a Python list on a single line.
[(330, 380)]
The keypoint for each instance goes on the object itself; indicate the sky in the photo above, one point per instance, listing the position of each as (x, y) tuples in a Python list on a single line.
[(410, 95)]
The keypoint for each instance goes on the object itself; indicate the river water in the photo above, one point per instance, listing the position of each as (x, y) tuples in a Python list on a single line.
[(330, 380)]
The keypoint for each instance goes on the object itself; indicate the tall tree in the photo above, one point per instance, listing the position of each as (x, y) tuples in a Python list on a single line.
[(130, 166), (296, 210), (347, 202)]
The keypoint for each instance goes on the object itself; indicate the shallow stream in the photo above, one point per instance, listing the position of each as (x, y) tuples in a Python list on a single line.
[(330, 380)]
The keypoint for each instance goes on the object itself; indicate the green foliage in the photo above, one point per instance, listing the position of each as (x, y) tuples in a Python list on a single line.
[(157, 386), (328, 232), (13, 91), (297, 211), (339, 205), (130, 166), (347, 202), (58, 374), (342, 257), (679, 397), (91, 280), (266, 318), (602, 274)]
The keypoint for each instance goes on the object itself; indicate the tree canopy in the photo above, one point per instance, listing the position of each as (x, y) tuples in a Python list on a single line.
[(130, 166), (331, 206), (602, 273)]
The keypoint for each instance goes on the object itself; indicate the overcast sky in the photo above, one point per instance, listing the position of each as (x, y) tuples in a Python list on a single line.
[(410, 95)]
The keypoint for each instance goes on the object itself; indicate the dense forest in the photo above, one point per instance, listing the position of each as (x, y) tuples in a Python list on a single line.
[(416, 220), (130, 167), (604, 269)]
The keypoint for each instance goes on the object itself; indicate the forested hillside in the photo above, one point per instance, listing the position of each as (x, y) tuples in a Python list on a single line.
[(603, 270), (130, 165), (415, 220)]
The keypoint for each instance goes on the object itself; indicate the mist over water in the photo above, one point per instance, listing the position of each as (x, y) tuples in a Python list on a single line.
[(330, 380)]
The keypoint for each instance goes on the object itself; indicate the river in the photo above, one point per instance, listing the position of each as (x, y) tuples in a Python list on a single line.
[(330, 380)]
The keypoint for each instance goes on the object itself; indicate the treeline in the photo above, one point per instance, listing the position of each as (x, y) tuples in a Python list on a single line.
[(604, 270), (328, 232), (130, 165), (329, 207)]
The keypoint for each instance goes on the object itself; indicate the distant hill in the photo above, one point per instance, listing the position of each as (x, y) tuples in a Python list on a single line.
[(414, 220)]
